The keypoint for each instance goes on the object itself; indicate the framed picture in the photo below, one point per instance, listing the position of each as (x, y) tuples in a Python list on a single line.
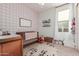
[(46, 23), (25, 22)]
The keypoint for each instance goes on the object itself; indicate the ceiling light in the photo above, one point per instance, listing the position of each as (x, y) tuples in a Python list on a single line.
[(42, 4)]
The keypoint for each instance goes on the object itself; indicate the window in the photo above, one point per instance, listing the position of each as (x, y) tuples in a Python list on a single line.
[(63, 21)]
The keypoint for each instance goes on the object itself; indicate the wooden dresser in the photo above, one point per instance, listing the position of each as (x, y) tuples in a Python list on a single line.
[(11, 46), (0, 50)]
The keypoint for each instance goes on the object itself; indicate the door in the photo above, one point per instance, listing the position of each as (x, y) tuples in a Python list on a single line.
[(64, 16)]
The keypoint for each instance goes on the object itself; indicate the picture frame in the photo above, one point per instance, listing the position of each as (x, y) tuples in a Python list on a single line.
[(46, 23), (25, 22)]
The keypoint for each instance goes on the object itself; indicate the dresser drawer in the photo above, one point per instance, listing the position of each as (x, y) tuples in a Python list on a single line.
[(13, 48), (0, 50)]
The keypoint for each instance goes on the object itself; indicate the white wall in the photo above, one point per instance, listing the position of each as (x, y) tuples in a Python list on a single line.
[(10, 14), (66, 36), (53, 30), (48, 14), (77, 25)]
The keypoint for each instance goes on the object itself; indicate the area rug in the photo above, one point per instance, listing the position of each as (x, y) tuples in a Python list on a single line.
[(47, 49)]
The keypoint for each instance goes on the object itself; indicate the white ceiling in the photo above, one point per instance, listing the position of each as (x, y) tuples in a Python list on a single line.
[(38, 7)]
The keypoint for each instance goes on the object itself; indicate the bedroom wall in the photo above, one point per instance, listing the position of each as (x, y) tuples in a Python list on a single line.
[(77, 25), (53, 30), (10, 14), (47, 14)]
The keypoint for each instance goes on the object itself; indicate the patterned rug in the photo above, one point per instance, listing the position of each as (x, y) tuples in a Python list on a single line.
[(47, 49)]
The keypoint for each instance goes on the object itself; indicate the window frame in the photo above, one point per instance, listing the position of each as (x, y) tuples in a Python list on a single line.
[(63, 21)]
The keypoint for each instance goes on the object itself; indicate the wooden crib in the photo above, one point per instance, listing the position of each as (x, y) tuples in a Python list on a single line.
[(29, 36)]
